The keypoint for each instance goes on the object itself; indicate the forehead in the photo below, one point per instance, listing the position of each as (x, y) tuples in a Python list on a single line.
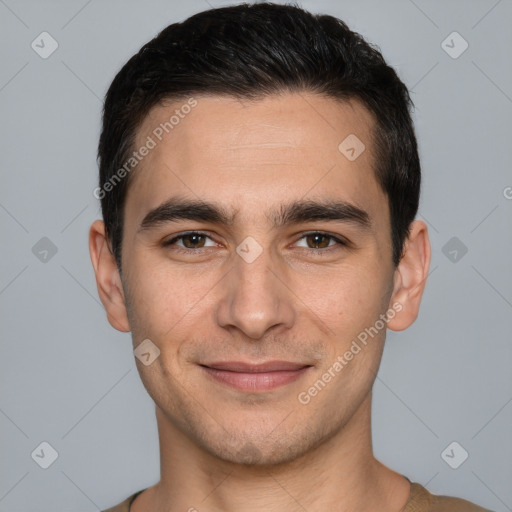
[(251, 155)]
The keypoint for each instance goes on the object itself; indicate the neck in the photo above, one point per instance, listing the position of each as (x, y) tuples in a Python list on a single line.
[(340, 474)]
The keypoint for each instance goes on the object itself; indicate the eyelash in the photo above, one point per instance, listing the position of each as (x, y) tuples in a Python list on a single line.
[(318, 252)]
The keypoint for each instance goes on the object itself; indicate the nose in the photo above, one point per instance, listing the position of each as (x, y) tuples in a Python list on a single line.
[(255, 297)]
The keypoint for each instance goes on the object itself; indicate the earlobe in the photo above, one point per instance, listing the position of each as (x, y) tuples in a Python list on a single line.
[(108, 280), (410, 277)]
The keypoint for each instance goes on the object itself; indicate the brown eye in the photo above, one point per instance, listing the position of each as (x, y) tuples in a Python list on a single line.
[(320, 243), (190, 241), (193, 241), (318, 240)]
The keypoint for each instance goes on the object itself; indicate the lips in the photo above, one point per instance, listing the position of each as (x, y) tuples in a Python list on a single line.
[(260, 377), (270, 366)]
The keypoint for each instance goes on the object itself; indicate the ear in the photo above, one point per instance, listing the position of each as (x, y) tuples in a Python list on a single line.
[(108, 280), (410, 277)]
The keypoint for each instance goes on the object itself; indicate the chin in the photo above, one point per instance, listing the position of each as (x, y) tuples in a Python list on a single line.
[(263, 451), (259, 457)]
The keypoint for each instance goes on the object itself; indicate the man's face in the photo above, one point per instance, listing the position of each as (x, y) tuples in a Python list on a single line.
[(288, 293)]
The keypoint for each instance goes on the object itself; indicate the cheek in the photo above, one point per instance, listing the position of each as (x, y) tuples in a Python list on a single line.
[(347, 299), (168, 301), (156, 304)]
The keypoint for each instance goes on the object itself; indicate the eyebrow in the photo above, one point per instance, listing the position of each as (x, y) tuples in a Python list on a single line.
[(179, 208)]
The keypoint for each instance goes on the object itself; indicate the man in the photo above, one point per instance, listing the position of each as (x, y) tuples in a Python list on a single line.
[(259, 180)]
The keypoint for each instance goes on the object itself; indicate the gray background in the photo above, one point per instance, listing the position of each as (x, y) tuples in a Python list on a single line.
[(69, 379)]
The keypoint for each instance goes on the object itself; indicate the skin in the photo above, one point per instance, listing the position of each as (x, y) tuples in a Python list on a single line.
[(227, 450)]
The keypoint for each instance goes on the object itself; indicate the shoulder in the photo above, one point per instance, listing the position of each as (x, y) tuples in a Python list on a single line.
[(125, 505), (421, 500)]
